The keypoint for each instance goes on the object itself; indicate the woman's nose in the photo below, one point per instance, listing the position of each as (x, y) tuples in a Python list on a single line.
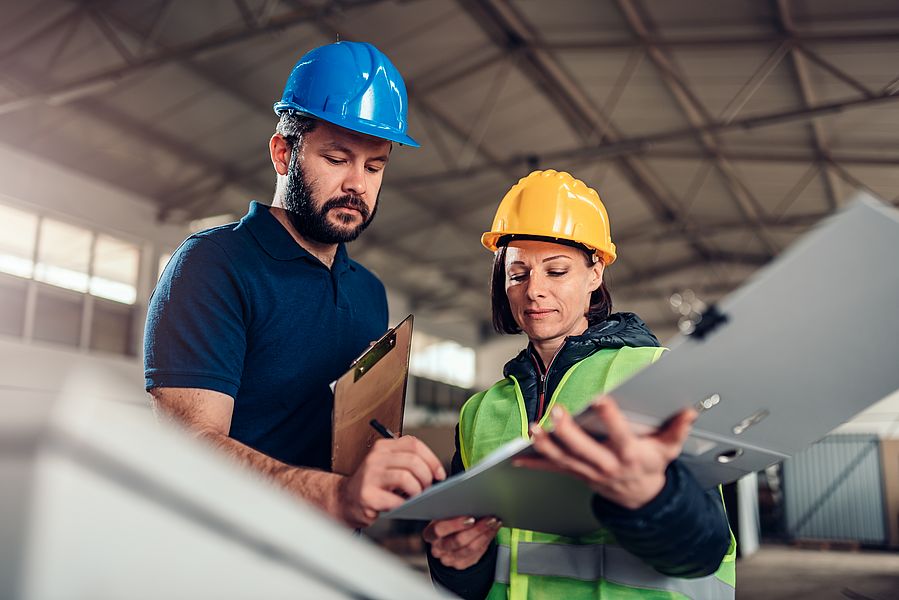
[(536, 286)]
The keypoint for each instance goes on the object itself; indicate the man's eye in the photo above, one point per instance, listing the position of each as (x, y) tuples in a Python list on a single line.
[(334, 161), (373, 169)]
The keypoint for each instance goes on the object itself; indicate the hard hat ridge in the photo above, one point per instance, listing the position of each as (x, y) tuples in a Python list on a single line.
[(353, 85), (553, 205)]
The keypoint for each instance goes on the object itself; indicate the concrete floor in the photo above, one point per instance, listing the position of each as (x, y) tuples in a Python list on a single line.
[(782, 572), (787, 573)]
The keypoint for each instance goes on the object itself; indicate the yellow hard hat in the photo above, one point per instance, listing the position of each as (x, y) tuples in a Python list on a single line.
[(554, 205)]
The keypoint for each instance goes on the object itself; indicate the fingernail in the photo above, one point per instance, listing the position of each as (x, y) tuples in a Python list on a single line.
[(557, 413), (492, 522), (468, 522), (496, 524), (441, 474)]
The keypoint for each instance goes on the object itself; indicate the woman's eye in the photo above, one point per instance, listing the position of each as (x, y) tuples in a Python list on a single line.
[(517, 276), (556, 273)]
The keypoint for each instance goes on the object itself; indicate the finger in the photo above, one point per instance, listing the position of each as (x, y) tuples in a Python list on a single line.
[(407, 461), (483, 528), (618, 429), (565, 462), (476, 549), (380, 500), (444, 527), (577, 442), (673, 435), (399, 479), (410, 443)]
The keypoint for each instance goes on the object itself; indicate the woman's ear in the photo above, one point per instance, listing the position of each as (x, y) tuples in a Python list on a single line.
[(596, 272)]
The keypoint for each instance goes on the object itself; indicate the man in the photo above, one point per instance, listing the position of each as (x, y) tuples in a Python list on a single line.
[(251, 321)]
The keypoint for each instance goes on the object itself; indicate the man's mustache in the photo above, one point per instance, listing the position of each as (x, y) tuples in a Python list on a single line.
[(348, 201)]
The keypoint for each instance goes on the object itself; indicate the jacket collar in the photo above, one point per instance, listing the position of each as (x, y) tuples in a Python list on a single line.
[(277, 242), (617, 331)]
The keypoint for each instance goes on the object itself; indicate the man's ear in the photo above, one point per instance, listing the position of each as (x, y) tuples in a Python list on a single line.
[(280, 151)]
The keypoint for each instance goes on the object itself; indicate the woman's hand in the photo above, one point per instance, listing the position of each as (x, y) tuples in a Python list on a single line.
[(627, 468), (462, 541)]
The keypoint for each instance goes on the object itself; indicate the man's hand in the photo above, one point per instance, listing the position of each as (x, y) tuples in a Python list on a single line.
[(627, 468), (393, 471), (460, 542)]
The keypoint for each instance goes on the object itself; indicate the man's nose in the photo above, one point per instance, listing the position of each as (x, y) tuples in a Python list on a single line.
[(354, 182)]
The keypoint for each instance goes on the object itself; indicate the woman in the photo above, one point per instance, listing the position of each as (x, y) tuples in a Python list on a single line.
[(663, 536)]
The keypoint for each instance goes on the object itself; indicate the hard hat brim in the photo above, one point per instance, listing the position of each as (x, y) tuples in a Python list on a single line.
[(490, 241), (352, 123)]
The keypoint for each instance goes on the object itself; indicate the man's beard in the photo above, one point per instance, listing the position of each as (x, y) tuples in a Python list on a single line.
[(313, 224)]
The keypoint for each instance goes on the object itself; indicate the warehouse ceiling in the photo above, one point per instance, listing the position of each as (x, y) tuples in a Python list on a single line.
[(715, 131)]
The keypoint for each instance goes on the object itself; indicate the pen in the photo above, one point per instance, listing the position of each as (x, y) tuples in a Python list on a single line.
[(385, 433)]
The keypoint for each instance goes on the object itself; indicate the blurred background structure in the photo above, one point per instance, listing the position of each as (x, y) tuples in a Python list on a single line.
[(715, 131)]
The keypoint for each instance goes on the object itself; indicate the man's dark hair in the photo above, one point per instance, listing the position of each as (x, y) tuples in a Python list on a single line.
[(294, 126), (504, 320)]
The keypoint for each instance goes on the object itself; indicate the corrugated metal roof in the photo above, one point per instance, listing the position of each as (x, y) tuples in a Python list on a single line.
[(173, 100)]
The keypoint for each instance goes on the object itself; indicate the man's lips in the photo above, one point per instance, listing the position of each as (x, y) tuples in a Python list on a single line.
[(347, 208)]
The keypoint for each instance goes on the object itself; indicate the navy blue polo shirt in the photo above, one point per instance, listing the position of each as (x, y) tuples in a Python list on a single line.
[(244, 310)]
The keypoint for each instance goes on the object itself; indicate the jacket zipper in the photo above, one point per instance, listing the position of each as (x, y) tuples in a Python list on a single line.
[(541, 397)]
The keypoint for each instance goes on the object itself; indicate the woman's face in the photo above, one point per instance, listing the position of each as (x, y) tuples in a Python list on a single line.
[(548, 286)]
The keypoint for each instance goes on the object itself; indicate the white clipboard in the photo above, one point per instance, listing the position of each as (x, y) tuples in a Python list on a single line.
[(810, 341)]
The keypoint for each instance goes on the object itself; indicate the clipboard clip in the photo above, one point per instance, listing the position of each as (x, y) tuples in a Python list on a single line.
[(705, 323), (697, 320), (370, 358)]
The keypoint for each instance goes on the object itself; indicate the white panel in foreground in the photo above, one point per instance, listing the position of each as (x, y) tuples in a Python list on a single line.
[(100, 501)]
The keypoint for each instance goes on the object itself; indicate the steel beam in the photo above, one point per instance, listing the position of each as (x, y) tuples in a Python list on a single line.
[(784, 22), (731, 41), (647, 145), (650, 232), (680, 265), (697, 115), (106, 78), (503, 24)]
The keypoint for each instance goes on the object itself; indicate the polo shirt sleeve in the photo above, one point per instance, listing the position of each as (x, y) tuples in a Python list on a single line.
[(196, 334)]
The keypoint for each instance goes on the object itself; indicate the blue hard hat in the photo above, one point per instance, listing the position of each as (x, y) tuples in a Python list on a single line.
[(352, 85)]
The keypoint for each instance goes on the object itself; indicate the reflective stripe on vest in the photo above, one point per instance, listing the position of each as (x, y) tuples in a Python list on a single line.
[(601, 561)]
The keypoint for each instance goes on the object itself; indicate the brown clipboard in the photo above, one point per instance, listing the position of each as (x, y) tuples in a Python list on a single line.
[(374, 387)]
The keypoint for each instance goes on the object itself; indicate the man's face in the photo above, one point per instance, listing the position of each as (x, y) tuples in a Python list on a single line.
[(333, 185)]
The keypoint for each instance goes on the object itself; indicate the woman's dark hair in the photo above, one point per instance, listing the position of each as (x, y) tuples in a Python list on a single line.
[(504, 321)]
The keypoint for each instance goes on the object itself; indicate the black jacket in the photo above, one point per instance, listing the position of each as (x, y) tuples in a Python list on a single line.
[(682, 532)]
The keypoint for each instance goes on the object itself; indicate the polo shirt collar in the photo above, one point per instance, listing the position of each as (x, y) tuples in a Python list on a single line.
[(277, 242)]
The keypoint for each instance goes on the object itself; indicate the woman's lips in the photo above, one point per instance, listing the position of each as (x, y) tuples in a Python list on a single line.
[(538, 313)]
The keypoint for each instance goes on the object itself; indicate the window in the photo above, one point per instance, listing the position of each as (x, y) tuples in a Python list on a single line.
[(442, 360), (115, 270), (57, 316), (18, 231), (13, 295), (66, 284), (63, 255)]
